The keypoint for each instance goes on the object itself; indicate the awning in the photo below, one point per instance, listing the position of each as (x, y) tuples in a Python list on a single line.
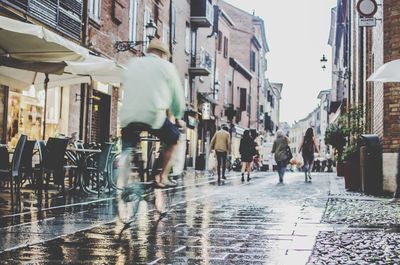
[(93, 68), (25, 41), (207, 98), (388, 72)]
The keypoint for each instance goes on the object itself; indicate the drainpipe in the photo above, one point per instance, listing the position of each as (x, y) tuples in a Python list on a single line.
[(249, 122), (85, 23), (171, 4)]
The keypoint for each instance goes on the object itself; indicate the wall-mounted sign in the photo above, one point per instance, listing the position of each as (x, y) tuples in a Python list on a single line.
[(367, 8), (206, 111), (366, 22), (192, 122)]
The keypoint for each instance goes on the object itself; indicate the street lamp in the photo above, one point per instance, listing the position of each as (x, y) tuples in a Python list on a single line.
[(323, 61), (342, 74), (151, 30)]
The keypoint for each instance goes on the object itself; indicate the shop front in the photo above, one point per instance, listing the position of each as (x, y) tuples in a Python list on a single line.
[(191, 120), (23, 113)]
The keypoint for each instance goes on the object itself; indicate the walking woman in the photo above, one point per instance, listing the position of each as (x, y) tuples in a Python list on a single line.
[(308, 146), (247, 150), (279, 148)]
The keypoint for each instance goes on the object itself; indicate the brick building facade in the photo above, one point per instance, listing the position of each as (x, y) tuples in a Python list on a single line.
[(369, 49)]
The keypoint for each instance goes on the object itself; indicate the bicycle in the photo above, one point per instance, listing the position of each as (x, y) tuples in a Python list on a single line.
[(131, 184)]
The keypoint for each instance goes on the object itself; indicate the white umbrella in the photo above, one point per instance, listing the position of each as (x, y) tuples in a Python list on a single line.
[(388, 72), (25, 41), (22, 75), (43, 75)]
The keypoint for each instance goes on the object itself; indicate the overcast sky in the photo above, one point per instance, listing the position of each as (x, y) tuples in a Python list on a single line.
[(297, 35)]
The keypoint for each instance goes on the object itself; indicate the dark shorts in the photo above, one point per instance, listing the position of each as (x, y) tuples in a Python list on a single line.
[(168, 133)]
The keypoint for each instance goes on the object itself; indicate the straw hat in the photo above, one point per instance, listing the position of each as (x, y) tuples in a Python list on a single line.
[(155, 44)]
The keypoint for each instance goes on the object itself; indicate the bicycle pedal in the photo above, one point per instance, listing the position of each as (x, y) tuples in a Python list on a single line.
[(127, 196)]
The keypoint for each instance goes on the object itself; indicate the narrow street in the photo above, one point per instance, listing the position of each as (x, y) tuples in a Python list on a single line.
[(260, 222)]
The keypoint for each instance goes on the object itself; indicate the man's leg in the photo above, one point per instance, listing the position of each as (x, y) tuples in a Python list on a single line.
[(168, 134), (166, 165), (219, 158), (127, 139), (223, 155)]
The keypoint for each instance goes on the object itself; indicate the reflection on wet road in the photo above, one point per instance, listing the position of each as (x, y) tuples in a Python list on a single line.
[(259, 222)]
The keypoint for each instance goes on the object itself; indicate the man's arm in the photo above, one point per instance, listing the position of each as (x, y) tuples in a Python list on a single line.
[(301, 145), (212, 143), (178, 98)]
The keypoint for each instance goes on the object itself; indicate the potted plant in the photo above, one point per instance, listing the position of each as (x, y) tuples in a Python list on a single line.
[(335, 136), (352, 167)]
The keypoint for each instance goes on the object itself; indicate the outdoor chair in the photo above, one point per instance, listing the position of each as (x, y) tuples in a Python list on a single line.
[(26, 161), (53, 161), (98, 164), (13, 173), (38, 169), (4, 163)]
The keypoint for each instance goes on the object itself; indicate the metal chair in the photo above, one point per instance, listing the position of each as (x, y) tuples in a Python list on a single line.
[(53, 160), (98, 164), (13, 173), (4, 161), (26, 161)]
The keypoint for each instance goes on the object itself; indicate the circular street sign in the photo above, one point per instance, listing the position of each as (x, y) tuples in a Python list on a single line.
[(367, 8)]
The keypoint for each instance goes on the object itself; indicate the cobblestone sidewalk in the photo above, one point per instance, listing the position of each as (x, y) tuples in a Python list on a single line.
[(366, 229)]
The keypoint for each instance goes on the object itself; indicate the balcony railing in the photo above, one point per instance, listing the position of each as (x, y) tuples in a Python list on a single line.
[(201, 14), (65, 16), (201, 63)]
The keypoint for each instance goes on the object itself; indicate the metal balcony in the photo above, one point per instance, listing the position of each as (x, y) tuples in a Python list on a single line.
[(63, 16), (201, 13), (201, 64)]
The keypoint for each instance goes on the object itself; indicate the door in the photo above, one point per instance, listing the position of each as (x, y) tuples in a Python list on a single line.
[(101, 113)]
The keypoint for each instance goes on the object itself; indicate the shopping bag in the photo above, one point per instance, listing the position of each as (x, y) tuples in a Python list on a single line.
[(212, 161), (299, 160), (179, 156)]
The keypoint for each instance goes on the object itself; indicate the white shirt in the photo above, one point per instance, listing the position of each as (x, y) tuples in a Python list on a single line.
[(151, 86)]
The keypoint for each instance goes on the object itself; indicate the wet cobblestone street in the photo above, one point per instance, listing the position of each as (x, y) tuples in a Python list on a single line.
[(260, 222)]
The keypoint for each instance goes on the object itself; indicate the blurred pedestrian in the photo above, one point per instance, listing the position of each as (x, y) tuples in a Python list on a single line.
[(308, 146), (220, 143), (280, 149), (247, 150)]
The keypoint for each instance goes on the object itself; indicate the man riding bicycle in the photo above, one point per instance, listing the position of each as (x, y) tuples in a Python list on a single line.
[(153, 96)]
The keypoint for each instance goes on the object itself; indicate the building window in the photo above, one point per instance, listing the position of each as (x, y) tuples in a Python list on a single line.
[(227, 89), (186, 87), (146, 19), (243, 99), (219, 41), (165, 34), (252, 61), (132, 20), (94, 9), (193, 44), (187, 38), (173, 22), (226, 47)]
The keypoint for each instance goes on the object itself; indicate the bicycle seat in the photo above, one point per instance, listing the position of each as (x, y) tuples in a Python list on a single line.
[(139, 126)]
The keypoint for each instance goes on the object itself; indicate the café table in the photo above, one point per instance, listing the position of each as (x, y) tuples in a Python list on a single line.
[(79, 158)]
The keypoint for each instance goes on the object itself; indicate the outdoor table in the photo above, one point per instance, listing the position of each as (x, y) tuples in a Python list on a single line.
[(79, 157)]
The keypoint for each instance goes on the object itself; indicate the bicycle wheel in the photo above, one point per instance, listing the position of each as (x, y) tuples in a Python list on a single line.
[(128, 205)]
